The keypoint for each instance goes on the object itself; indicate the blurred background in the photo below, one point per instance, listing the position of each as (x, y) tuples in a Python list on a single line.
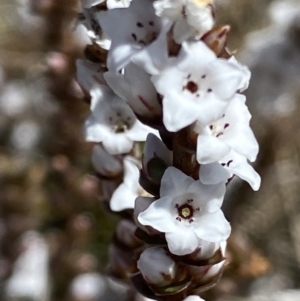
[(54, 233)]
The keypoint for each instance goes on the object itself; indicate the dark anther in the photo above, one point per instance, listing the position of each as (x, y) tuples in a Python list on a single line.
[(229, 162)]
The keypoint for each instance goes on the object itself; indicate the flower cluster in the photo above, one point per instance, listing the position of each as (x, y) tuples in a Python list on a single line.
[(158, 71)]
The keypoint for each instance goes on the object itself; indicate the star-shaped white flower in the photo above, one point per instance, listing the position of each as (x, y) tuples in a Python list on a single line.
[(229, 165), (192, 18), (125, 195), (196, 86), (113, 123), (230, 132), (134, 85), (137, 35), (187, 212)]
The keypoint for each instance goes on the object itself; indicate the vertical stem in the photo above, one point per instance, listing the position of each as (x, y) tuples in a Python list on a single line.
[(184, 154)]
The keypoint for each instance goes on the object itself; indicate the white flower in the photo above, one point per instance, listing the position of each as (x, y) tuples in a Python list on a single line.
[(187, 212), (229, 165), (106, 164), (196, 86), (156, 266), (136, 88), (230, 132), (193, 18), (113, 123), (124, 196), (137, 35)]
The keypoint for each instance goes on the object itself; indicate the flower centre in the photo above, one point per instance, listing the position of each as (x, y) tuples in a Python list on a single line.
[(192, 87), (120, 127), (202, 3), (186, 211)]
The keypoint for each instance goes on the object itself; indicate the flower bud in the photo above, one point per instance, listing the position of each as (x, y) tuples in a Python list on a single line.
[(105, 164), (120, 263), (125, 234), (205, 250), (193, 298), (157, 267), (216, 38)]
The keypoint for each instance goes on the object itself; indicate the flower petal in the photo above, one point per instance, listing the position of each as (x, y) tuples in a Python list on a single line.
[(182, 241), (210, 149), (139, 131), (213, 173), (207, 197), (212, 227), (94, 131), (158, 215), (123, 198), (174, 183), (118, 144)]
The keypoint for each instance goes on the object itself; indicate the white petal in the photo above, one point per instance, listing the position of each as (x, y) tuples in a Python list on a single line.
[(120, 56), (212, 227), (195, 56), (224, 77), (94, 131), (207, 197), (139, 132), (178, 114), (213, 173), (123, 198), (153, 57), (246, 172), (210, 149), (174, 183), (158, 215), (182, 241), (131, 173), (118, 144)]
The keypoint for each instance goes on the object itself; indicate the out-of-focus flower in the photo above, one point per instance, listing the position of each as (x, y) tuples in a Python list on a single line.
[(113, 123), (187, 212), (157, 267), (196, 86), (29, 279), (88, 286), (192, 18)]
